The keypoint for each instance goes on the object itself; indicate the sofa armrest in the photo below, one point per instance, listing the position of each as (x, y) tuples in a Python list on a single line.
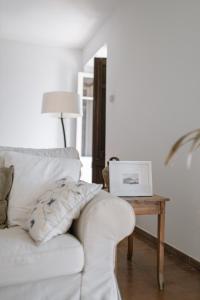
[(103, 223), (106, 216)]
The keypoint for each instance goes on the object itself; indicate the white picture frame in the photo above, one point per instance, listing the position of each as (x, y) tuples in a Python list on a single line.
[(130, 178)]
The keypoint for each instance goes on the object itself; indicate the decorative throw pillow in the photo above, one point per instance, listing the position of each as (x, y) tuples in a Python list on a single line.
[(6, 179), (58, 206), (1, 161), (33, 175)]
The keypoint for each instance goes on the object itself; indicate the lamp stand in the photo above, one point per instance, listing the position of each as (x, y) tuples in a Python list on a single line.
[(63, 129)]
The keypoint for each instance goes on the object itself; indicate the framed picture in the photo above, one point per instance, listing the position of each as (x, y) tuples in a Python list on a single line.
[(130, 178)]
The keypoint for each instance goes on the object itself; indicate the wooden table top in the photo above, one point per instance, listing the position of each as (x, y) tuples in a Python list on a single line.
[(154, 198), (147, 205)]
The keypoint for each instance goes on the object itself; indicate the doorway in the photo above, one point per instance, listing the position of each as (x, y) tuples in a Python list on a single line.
[(90, 138)]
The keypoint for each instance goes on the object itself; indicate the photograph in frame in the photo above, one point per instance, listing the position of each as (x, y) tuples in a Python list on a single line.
[(130, 178)]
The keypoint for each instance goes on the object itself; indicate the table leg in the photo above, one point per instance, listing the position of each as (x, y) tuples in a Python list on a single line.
[(160, 252), (130, 247)]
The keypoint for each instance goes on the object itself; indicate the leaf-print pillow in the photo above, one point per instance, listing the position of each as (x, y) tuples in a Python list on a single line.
[(58, 207)]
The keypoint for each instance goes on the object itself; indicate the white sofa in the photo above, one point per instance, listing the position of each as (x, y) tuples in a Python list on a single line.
[(76, 265)]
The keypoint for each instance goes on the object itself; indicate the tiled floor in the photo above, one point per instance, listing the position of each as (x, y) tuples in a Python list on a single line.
[(137, 279)]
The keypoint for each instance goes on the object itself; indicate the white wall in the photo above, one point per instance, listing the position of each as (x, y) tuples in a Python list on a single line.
[(26, 72), (154, 73)]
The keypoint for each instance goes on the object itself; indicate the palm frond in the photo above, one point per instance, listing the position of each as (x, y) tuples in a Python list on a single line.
[(192, 136)]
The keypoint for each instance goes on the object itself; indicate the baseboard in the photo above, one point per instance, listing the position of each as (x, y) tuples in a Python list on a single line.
[(168, 249)]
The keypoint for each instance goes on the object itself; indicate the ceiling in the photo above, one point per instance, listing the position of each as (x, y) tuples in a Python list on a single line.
[(68, 23)]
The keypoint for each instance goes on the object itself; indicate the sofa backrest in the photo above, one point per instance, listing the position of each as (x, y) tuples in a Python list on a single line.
[(68, 152)]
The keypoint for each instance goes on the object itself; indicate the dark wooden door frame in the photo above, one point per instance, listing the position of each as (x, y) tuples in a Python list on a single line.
[(99, 120)]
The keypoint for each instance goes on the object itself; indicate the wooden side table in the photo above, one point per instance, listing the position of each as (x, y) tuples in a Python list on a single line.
[(154, 205)]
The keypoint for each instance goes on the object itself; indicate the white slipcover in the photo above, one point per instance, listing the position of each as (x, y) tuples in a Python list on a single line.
[(22, 261), (102, 224), (57, 288)]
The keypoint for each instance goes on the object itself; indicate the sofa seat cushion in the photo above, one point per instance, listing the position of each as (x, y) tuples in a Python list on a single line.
[(21, 260)]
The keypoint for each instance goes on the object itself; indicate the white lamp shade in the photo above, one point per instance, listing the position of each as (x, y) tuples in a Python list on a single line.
[(66, 103)]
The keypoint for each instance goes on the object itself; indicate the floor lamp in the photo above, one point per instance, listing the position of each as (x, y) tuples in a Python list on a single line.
[(62, 104)]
